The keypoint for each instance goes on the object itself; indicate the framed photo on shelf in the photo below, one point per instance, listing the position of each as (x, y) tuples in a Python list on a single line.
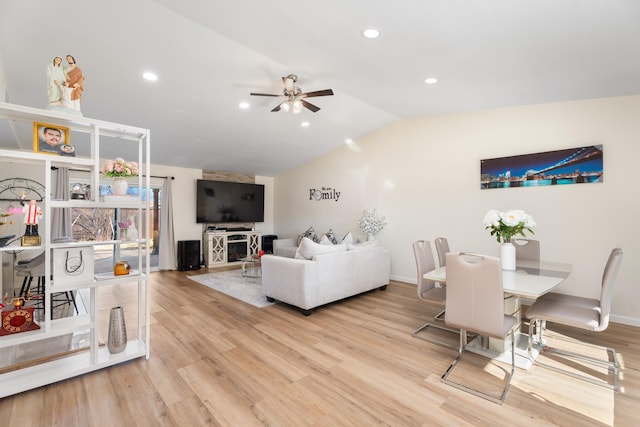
[(49, 138), (68, 150)]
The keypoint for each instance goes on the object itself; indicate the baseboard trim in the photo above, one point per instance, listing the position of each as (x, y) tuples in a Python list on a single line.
[(404, 279), (625, 320)]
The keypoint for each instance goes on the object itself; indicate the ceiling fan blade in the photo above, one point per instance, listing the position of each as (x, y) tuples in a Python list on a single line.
[(325, 92), (309, 106), (277, 108), (263, 94)]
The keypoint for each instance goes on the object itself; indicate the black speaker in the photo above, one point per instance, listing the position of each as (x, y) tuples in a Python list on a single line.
[(188, 255), (267, 243)]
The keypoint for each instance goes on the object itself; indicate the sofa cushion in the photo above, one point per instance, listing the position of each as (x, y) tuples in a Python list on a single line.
[(331, 237), (325, 240), (287, 251), (310, 233), (308, 249), (348, 238)]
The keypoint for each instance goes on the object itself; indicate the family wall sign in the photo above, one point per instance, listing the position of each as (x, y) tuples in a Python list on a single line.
[(324, 193)]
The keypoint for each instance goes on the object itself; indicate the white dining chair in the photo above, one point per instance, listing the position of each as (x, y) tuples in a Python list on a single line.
[(527, 249), (583, 313), (442, 247), (475, 303), (428, 291)]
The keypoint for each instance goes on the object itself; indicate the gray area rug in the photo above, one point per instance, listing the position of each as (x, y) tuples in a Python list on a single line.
[(231, 282)]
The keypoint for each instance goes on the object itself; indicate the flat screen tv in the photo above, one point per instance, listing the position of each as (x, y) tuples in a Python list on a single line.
[(229, 202)]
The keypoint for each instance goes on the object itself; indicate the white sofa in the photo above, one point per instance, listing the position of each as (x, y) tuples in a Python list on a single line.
[(328, 277), (285, 247)]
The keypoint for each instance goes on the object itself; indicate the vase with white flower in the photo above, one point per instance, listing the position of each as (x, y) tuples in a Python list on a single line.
[(370, 223), (119, 169), (506, 225)]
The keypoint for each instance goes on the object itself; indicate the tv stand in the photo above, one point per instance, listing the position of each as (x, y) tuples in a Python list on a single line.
[(223, 248), (238, 229)]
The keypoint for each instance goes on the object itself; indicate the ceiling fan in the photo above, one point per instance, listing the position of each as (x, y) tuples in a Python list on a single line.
[(295, 97)]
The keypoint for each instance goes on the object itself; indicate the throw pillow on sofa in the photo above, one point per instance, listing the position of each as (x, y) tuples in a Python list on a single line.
[(331, 237), (310, 234), (348, 239), (325, 241), (308, 249)]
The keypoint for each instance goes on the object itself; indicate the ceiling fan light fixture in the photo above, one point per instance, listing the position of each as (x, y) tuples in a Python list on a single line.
[(294, 97), (297, 106)]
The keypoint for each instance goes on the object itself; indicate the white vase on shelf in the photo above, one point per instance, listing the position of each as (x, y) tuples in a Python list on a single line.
[(120, 187), (508, 256)]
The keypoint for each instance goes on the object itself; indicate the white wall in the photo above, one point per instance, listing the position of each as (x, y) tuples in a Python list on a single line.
[(422, 174), (266, 227)]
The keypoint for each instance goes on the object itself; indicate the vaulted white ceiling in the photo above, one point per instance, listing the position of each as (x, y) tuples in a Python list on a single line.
[(209, 54)]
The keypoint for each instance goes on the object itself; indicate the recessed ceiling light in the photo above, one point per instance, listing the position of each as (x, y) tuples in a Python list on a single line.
[(371, 33), (348, 141), (305, 124), (244, 105), (152, 77), (431, 80)]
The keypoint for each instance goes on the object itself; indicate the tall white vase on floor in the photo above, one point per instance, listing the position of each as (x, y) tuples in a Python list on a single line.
[(508, 256)]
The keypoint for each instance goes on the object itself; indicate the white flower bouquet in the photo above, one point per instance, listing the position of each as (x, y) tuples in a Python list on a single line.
[(505, 225)]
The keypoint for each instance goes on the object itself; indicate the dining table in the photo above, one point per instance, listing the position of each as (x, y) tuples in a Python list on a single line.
[(530, 280)]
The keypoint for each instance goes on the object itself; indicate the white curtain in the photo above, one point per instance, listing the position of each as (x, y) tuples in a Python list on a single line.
[(167, 252), (61, 217)]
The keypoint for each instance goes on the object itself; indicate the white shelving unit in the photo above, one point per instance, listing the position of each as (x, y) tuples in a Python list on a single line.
[(97, 356)]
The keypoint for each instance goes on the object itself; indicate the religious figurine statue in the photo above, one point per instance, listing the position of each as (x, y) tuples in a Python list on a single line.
[(56, 79), (64, 85), (74, 84), (32, 213)]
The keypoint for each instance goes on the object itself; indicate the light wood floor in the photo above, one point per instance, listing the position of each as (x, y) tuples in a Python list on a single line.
[(217, 361)]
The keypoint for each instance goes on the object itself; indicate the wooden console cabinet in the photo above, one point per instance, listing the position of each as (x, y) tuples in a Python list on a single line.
[(227, 247)]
